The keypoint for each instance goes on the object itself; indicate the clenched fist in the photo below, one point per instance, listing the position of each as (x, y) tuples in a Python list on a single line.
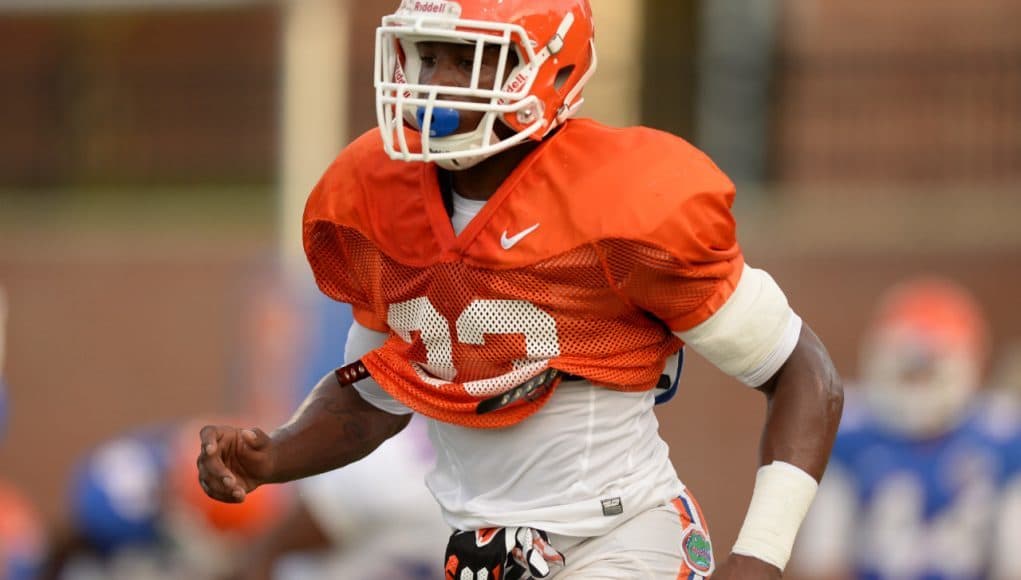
[(233, 461)]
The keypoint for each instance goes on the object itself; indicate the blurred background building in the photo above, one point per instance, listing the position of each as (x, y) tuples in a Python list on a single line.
[(154, 157)]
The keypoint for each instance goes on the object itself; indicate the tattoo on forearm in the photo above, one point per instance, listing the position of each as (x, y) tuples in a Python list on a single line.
[(354, 426)]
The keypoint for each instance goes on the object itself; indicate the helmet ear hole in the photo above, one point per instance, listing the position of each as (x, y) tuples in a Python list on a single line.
[(562, 76)]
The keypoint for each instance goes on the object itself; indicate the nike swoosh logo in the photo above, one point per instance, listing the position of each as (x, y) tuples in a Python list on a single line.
[(508, 243)]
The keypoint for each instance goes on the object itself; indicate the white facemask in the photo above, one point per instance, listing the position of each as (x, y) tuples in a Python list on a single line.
[(402, 102), (916, 388)]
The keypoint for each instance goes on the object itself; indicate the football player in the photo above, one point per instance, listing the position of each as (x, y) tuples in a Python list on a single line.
[(135, 512), (520, 278), (923, 463)]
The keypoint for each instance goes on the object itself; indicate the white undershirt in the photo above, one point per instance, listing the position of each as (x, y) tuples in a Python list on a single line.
[(587, 448), (465, 211)]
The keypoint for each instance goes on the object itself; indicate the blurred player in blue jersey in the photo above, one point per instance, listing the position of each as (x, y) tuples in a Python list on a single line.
[(924, 466), (135, 513)]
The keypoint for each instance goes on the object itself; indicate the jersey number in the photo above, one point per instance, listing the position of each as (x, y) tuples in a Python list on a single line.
[(480, 318), (902, 542)]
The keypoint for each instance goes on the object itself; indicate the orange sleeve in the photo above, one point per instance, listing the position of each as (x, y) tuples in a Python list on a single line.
[(333, 235), (687, 265)]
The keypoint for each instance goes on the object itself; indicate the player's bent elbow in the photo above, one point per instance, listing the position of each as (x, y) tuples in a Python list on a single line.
[(834, 393), (810, 370), (828, 380)]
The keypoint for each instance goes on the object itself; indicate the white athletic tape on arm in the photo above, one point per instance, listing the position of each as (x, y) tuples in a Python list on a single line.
[(752, 334), (783, 493), (360, 340)]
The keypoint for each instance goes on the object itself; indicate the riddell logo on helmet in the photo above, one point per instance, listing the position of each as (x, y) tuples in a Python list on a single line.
[(517, 83), (437, 7), (429, 7)]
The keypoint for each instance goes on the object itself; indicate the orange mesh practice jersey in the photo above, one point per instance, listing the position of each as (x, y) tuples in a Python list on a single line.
[(597, 246)]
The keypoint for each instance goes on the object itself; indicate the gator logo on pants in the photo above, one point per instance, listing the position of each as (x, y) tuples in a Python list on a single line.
[(698, 551)]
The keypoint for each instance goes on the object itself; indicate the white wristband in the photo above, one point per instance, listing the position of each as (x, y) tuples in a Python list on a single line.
[(780, 501)]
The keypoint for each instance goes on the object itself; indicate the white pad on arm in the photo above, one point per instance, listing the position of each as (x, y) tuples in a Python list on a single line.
[(360, 340), (782, 495), (752, 334)]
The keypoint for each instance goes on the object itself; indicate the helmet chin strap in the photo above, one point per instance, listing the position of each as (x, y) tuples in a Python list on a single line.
[(460, 164)]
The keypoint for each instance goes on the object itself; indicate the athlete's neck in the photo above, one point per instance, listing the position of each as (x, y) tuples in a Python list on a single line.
[(481, 181)]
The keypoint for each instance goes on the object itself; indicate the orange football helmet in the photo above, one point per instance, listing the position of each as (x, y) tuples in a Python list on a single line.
[(923, 356), (547, 54)]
